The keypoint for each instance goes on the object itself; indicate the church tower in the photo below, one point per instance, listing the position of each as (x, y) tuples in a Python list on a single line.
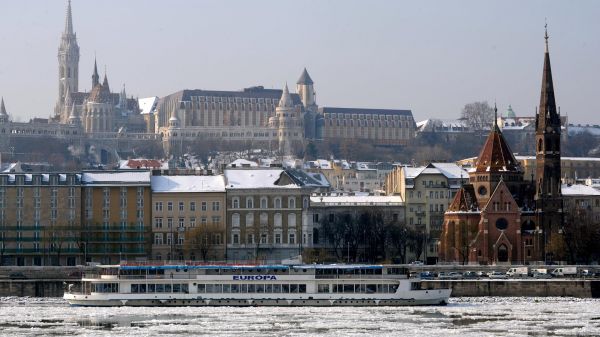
[(68, 66), (306, 91), (288, 124), (547, 136)]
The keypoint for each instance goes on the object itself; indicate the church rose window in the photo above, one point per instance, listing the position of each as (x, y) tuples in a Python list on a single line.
[(482, 190), (501, 224)]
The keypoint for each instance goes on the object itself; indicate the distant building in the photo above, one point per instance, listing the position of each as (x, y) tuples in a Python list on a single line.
[(117, 213), (188, 217), (266, 210), (40, 219), (427, 191)]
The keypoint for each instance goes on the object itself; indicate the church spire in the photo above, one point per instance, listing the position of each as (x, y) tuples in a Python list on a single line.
[(105, 82), (69, 20), (547, 111), (495, 117), (95, 77)]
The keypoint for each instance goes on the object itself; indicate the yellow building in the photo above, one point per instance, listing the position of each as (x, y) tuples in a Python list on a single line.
[(188, 217), (427, 191), (40, 219), (116, 215)]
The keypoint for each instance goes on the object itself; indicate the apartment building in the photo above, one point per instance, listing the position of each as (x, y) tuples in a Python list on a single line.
[(188, 217)]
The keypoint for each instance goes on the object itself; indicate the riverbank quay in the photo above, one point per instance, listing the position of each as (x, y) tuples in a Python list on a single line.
[(573, 287)]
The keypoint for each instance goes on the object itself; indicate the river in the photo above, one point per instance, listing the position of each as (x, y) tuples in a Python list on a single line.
[(483, 316)]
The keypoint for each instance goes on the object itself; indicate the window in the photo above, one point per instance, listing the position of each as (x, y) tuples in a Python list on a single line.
[(235, 220), (181, 206), (170, 206), (249, 219), (216, 205), (192, 222), (235, 203), (169, 222), (158, 206), (203, 206), (203, 221), (250, 238), (277, 220), (277, 202), (158, 222), (158, 238), (292, 220), (264, 219), (316, 218), (263, 202), (235, 239), (278, 238), (249, 202), (216, 220), (292, 238), (291, 202), (181, 222), (192, 206)]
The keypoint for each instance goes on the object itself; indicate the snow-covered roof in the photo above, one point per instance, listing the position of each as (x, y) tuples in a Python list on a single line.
[(357, 200), (446, 125), (141, 163), (242, 163), (579, 190), (254, 178), (107, 178), (594, 130), (188, 183), (449, 170), (147, 105)]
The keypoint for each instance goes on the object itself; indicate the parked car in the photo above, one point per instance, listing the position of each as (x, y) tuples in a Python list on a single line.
[(470, 275), (540, 273), (16, 276), (417, 263), (426, 275), (497, 275), (586, 273), (450, 276), (482, 274)]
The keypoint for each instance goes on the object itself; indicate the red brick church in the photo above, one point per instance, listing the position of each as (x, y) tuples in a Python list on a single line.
[(499, 216)]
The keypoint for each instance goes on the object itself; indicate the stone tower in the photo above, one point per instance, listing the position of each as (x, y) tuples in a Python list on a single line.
[(3, 114), (306, 91), (288, 124), (68, 66), (547, 136)]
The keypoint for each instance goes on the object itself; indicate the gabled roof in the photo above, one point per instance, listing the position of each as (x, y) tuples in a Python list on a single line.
[(500, 188), (250, 178), (496, 155), (465, 200), (308, 179)]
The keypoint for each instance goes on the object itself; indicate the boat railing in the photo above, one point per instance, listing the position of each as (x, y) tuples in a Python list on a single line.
[(357, 277)]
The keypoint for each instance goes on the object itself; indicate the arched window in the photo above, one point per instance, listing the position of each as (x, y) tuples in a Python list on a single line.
[(502, 253), (291, 202), (235, 220), (263, 202), (305, 203), (540, 143), (277, 202), (277, 219), (249, 219), (235, 203), (292, 220), (249, 202)]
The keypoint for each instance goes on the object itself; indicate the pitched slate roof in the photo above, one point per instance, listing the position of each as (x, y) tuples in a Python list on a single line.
[(496, 155), (465, 200)]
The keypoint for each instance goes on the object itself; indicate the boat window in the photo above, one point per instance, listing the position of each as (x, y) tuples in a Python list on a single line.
[(323, 288)]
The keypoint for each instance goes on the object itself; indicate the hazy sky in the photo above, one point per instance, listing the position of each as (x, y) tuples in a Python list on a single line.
[(428, 56)]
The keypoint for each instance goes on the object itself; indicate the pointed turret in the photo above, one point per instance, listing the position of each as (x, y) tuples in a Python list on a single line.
[(305, 78), (74, 116), (95, 76), (68, 100), (286, 98), (3, 113), (105, 82)]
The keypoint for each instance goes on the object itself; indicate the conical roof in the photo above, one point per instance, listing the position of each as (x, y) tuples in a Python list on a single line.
[(305, 78), (496, 155), (286, 99), (2, 108), (69, 20)]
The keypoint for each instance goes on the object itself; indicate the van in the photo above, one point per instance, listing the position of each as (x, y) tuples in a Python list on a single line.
[(517, 272)]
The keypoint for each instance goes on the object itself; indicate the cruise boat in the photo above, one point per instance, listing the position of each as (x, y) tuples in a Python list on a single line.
[(252, 285)]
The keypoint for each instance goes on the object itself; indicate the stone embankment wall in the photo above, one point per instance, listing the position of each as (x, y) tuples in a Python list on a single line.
[(33, 288), (515, 288)]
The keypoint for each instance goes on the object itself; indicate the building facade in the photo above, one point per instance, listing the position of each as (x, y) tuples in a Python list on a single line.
[(40, 219), (266, 211), (117, 212), (427, 192), (188, 217)]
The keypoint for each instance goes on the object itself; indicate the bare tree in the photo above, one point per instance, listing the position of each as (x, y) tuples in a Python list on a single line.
[(479, 115), (201, 240)]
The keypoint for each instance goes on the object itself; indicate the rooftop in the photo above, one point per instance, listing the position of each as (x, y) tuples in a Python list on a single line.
[(249, 178), (108, 178), (188, 183)]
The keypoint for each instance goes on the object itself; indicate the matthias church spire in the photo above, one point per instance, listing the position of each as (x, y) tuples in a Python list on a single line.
[(68, 64)]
